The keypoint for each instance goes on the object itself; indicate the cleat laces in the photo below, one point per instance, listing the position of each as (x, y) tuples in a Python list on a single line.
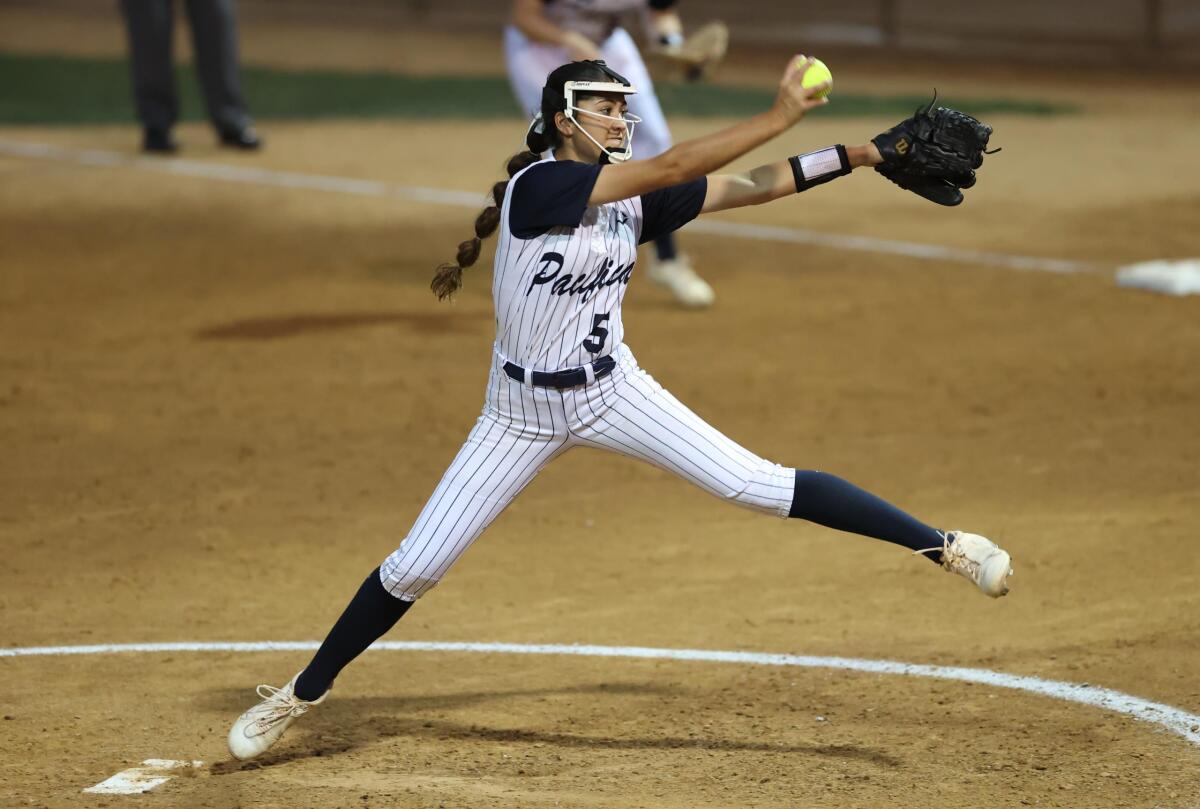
[(278, 704), (954, 558), (974, 557)]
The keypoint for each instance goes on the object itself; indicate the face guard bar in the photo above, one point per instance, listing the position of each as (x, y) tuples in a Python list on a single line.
[(572, 91)]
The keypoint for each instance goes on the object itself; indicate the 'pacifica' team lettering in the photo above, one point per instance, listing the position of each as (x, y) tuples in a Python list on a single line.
[(583, 284)]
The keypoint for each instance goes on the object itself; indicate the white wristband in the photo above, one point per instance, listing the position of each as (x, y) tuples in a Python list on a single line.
[(819, 167)]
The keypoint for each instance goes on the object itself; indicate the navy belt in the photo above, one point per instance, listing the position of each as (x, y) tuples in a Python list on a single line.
[(561, 380)]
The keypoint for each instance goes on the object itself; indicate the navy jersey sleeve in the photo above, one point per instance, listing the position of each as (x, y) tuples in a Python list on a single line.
[(550, 194), (671, 208)]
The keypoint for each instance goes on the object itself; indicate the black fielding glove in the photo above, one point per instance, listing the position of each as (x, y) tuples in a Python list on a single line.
[(934, 153)]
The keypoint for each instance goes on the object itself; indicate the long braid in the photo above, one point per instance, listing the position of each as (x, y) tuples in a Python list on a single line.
[(448, 278)]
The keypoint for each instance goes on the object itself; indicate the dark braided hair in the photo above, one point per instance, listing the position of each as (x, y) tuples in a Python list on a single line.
[(448, 278)]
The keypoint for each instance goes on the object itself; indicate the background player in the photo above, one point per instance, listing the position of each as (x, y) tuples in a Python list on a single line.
[(562, 376), (546, 33)]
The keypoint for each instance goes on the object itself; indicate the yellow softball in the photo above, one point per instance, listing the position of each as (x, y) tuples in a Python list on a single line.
[(818, 73)]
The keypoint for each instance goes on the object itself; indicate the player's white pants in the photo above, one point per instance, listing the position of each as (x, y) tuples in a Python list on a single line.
[(523, 428), (530, 62)]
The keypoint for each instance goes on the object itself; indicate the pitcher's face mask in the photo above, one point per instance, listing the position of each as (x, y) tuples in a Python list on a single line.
[(577, 80), (623, 123), (573, 91)]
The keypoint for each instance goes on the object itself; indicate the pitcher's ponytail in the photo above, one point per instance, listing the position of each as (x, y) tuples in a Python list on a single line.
[(542, 136), (448, 278)]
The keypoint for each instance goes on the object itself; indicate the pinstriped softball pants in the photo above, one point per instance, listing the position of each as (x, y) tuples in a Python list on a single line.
[(523, 428)]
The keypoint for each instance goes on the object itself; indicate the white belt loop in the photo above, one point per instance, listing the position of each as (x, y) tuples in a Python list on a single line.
[(528, 377), (589, 373)]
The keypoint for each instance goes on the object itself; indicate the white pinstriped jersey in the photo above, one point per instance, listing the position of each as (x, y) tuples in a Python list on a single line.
[(560, 275), (595, 19), (558, 287)]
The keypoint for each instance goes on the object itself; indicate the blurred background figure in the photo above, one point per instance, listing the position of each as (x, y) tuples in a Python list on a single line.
[(150, 25), (547, 33)]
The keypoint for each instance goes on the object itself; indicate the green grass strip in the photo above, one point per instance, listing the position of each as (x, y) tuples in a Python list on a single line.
[(66, 90)]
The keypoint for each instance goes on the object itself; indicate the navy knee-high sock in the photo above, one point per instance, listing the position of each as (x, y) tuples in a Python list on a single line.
[(371, 613), (664, 247), (835, 503)]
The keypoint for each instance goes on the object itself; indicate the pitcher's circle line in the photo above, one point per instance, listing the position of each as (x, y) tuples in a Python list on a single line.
[(1174, 719)]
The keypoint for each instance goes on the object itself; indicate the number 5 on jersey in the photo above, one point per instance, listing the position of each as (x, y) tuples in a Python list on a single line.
[(594, 342)]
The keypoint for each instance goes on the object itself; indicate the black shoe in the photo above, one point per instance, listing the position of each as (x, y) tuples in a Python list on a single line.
[(245, 138), (158, 141)]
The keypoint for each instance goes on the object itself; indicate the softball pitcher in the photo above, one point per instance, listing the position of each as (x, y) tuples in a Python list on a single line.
[(546, 33), (562, 376)]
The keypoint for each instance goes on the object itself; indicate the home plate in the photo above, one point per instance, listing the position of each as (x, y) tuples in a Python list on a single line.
[(154, 772), (1179, 277)]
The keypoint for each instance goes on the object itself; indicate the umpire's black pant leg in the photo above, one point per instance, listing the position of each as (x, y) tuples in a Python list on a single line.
[(148, 24), (214, 39)]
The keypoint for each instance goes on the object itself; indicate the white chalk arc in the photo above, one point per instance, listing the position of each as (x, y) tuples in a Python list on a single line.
[(1173, 719)]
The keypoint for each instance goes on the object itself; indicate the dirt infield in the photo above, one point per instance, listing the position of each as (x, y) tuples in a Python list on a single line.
[(221, 404)]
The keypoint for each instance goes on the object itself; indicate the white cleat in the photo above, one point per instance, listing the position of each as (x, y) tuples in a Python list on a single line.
[(978, 559), (678, 276), (260, 727)]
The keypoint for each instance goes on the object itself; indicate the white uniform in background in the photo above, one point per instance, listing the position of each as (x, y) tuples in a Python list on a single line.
[(530, 62)]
